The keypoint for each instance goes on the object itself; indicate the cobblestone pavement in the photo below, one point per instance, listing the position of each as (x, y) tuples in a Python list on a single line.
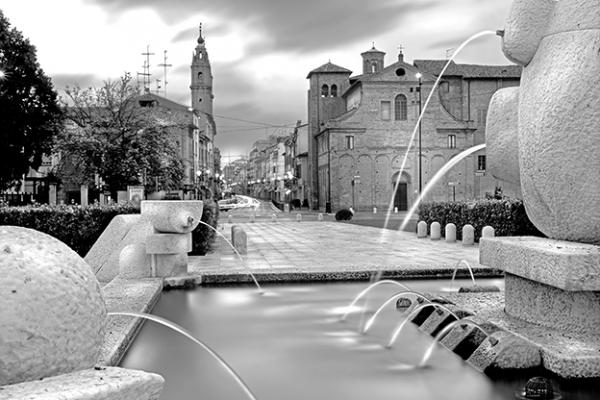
[(333, 247)]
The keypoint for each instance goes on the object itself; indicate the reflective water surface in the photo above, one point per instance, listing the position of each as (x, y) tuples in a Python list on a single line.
[(290, 344)]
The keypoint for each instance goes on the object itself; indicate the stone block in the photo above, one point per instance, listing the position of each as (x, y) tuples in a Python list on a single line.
[(122, 231), (436, 233), (239, 239), (138, 295), (90, 384), (229, 218), (274, 217), (169, 264), (169, 243), (168, 216), (468, 235), (320, 217), (450, 233), (134, 262), (422, 229), (456, 335), (573, 311), (434, 321), (299, 217), (504, 350), (565, 265)]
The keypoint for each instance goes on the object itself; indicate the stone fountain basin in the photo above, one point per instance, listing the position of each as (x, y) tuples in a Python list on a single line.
[(172, 216)]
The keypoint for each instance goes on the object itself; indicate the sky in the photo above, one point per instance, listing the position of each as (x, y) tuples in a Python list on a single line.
[(260, 50)]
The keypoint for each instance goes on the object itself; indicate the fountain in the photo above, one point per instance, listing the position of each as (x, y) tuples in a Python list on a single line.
[(552, 285)]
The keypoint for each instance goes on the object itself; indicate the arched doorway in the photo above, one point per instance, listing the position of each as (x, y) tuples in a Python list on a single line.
[(401, 194)]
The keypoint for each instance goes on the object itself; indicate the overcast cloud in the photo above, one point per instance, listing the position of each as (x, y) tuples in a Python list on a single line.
[(260, 50)]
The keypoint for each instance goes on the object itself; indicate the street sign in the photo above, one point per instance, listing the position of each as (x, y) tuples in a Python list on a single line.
[(453, 183)]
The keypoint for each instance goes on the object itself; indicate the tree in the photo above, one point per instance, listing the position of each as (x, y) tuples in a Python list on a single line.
[(30, 115), (109, 134)]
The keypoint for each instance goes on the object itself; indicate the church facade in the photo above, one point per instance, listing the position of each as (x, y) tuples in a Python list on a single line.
[(360, 130)]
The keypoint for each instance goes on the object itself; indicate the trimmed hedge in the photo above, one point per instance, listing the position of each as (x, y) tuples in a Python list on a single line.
[(506, 216), (203, 237), (78, 227)]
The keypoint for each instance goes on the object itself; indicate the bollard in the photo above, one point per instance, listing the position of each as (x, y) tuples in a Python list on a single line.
[(435, 231), (422, 229), (488, 231), (395, 210), (274, 217), (450, 233), (252, 217), (374, 210), (298, 217), (320, 217), (229, 218), (468, 235)]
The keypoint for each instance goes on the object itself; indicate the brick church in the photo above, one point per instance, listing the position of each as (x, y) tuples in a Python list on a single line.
[(359, 129)]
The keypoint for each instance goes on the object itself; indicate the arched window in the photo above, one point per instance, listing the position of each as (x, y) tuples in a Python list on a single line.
[(333, 90), (400, 107), (373, 67), (324, 91)]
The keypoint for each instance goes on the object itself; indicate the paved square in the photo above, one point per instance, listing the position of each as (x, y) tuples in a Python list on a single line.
[(287, 246)]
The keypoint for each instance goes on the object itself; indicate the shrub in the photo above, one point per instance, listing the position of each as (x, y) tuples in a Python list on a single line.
[(78, 227), (296, 203), (343, 215), (506, 216), (203, 237)]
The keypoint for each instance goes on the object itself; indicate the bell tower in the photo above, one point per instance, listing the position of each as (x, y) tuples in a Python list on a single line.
[(201, 87)]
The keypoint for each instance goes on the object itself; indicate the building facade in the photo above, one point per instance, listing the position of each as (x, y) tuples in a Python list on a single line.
[(360, 131), (193, 128)]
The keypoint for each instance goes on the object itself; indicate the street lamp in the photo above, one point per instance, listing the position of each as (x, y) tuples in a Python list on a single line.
[(418, 75)]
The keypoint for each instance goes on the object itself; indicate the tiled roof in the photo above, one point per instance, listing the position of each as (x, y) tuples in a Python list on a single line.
[(469, 70), (329, 68), (163, 102)]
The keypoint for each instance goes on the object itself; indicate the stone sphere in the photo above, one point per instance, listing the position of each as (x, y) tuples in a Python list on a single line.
[(53, 313)]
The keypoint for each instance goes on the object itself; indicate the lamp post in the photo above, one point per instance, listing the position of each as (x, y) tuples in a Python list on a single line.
[(419, 76)]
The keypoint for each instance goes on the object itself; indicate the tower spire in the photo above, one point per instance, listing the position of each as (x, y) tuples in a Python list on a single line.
[(200, 38)]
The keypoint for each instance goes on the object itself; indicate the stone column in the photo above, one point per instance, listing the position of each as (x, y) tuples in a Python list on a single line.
[(52, 195), (83, 190)]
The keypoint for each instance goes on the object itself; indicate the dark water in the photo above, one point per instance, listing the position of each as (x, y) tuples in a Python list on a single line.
[(289, 345)]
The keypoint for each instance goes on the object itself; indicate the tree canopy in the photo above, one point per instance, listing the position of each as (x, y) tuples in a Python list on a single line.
[(109, 135), (30, 115)]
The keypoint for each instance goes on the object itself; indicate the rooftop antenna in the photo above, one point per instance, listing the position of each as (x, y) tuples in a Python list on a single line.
[(146, 73), (165, 66)]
